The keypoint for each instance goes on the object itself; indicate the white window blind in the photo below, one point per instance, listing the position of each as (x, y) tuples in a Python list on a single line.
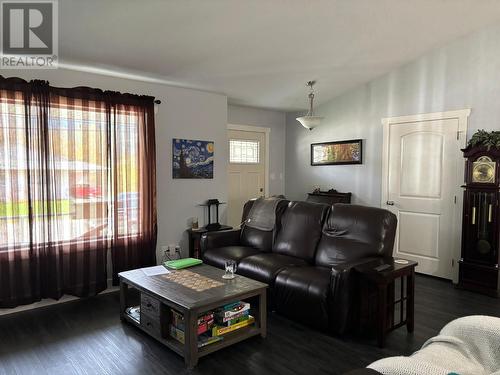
[(244, 151)]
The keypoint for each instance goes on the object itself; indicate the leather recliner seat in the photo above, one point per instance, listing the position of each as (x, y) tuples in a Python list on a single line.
[(308, 258)]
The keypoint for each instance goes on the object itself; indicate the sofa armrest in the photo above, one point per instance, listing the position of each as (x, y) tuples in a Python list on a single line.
[(212, 240), (343, 289)]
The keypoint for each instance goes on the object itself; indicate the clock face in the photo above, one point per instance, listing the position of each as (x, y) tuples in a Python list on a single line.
[(483, 170)]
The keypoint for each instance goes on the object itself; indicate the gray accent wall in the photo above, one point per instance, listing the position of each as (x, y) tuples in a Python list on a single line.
[(461, 74)]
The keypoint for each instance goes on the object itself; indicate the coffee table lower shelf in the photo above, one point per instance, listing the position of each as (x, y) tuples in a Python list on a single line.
[(169, 342), (229, 338)]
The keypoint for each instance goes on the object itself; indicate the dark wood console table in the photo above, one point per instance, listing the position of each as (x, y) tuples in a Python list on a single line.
[(385, 297), (329, 197)]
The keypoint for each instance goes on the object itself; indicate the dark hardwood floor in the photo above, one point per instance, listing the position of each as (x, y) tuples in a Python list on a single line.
[(87, 337)]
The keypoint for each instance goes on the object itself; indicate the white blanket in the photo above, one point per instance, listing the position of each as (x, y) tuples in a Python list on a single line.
[(465, 346)]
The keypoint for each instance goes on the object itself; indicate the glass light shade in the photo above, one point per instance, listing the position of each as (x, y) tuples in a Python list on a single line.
[(309, 122)]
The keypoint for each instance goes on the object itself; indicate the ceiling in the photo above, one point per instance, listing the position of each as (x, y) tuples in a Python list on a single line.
[(261, 52)]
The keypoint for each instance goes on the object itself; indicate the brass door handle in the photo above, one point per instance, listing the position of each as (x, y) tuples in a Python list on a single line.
[(473, 215)]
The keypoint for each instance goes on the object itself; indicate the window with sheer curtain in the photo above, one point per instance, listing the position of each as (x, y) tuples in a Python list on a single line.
[(76, 180), (79, 205)]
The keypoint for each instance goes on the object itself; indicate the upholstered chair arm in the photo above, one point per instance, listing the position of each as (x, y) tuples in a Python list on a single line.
[(212, 240), (343, 289)]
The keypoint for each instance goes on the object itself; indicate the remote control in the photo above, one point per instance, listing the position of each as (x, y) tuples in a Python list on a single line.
[(382, 267)]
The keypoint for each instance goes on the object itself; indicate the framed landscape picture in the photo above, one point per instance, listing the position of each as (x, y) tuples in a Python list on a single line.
[(337, 153), (192, 158)]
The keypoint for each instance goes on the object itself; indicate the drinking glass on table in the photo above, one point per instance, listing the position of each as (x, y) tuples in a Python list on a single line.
[(230, 267)]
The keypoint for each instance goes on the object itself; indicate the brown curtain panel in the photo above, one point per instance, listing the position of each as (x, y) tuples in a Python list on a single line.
[(135, 228), (77, 180)]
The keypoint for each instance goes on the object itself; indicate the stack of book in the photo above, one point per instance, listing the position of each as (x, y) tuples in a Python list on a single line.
[(205, 324), (177, 326), (213, 325), (231, 318)]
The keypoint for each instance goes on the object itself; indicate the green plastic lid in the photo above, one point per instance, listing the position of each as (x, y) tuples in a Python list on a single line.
[(182, 263)]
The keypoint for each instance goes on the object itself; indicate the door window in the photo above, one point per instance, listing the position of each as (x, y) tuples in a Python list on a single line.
[(243, 151)]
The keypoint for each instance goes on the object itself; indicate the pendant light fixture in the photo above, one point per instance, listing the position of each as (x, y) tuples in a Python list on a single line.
[(310, 121)]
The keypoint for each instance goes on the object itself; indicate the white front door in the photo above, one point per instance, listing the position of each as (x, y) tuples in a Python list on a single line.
[(246, 170), (423, 170)]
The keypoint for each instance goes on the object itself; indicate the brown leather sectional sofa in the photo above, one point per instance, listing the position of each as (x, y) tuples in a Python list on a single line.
[(307, 257)]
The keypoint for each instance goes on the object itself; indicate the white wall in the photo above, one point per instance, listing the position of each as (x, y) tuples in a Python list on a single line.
[(184, 113), (239, 115), (462, 74)]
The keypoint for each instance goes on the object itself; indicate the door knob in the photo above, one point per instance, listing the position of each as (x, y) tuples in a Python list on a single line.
[(390, 203)]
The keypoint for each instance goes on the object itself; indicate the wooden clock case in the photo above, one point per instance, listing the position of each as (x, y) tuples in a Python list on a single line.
[(479, 263)]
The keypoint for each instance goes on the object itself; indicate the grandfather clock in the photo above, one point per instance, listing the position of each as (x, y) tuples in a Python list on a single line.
[(479, 264)]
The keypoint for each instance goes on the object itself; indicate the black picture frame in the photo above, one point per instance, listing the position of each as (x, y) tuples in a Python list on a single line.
[(354, 160)]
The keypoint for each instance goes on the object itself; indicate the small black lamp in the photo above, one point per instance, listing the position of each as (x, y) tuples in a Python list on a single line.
[(216, 225)]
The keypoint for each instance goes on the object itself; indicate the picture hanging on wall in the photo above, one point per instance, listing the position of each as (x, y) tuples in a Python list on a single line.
[(192, 158), (337, 153)]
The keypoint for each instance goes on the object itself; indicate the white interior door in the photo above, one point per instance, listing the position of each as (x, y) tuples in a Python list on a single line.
[(246, 170), (423, 168)]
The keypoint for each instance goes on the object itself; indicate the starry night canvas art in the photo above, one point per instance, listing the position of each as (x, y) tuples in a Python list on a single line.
[(192, 158)]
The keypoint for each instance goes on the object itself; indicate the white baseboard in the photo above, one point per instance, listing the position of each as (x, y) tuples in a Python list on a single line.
[(50, 302)]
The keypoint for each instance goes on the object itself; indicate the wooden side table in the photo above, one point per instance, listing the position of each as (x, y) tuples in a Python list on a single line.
[(385, 281), (194, 236)]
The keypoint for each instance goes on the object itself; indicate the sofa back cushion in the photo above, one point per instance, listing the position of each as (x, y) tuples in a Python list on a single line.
[(352, 232), (300, 229), (258, 238)]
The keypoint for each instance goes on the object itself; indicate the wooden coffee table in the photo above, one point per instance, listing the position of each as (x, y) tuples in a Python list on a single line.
[(191, 292)]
